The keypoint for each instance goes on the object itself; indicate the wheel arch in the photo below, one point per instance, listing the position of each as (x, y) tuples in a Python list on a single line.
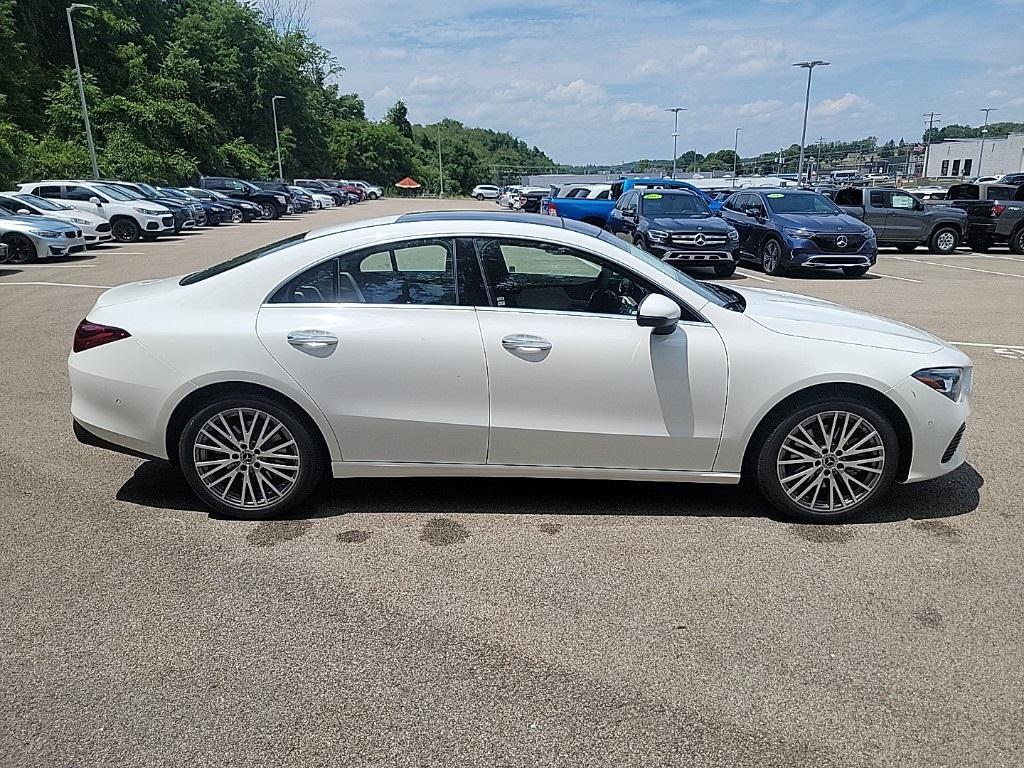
[(198, 398), (817, 392)]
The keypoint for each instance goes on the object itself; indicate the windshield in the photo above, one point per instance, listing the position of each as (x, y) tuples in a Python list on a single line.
[(683, 279), (238, 261), (117, 193), (800, 202), (249, 186), (685, 205), (42, 203)]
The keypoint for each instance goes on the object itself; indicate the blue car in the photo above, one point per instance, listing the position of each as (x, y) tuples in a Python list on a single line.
[(793, 229)]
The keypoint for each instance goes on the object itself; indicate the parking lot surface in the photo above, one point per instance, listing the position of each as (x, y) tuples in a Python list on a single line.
[(505, 622)]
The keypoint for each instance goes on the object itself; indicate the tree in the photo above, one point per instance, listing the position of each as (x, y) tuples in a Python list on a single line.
[(398, 116)]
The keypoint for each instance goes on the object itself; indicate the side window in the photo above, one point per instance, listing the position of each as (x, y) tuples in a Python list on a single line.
[(621, 204), (902, 201), (318, 285), (603, 195), (528, 274), (73, 192), (8, 206), (853, 197), (52, 192)]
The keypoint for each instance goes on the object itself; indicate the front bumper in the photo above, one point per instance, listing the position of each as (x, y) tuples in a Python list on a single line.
[(937, 426), (807, 254), (55, 247), (156, 224), (677, 254)]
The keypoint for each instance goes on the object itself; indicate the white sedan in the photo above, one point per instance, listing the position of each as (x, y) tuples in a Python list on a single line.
[(493, 345)]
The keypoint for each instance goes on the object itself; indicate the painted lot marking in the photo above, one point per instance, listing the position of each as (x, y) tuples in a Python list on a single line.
[(51, 266), (1009, 351), (754, 277), (955, 266), (61, 285), (893, 277)]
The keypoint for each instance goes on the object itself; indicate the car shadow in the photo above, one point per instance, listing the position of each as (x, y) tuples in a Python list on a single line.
[(7, 272), (158, 484)]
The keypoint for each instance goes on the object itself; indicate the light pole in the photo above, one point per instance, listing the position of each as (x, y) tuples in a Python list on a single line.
[(440, 168), (277, 137), (735, 154), (984, 130), (675, 134), (81, 89), (928, 139), (809, 66)]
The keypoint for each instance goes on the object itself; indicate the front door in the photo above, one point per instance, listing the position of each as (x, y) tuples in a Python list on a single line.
[(575, 382), (903, 222), (378, 340)]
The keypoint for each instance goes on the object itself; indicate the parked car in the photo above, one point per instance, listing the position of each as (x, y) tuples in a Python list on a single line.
[(529, 199), (986, 179), (1012, 178), (785, 228), (185, 214), (95, 229), (4, 253), (507, 195), (562, 352), (678, 227), (241, 210), (995, 214), (314, 200), (212, 215), (371, 191), (130, 218), (322, 187), (596, 211), (280, 187), (900, 219), (273, 205), (355, 193), (29, 238), (584, 191), (485, 192)]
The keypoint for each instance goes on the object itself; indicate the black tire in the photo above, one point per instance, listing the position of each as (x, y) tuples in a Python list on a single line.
[(944, 240), (906, 247), (771, 257), (125, 229), (20, 249), (480, 198), (268, 212), (309, 458), (855, 271), (371, 196), (725, 270), (1017, 241), (980, 243), (771, 451), (237, 217)]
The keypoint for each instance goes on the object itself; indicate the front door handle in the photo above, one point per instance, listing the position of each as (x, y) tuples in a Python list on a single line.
[(312, 340), (524, 342)]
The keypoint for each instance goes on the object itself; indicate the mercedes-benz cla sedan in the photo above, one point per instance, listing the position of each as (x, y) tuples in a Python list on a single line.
[(498, 345)]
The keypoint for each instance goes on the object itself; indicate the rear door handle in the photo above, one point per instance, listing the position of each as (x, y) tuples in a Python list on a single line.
[(312, 340), (524, 342)]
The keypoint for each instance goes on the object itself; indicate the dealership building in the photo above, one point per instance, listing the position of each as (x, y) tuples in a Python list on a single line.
[(963, 157)]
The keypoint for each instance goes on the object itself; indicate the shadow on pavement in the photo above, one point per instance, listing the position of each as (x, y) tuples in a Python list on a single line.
[(158, 484)]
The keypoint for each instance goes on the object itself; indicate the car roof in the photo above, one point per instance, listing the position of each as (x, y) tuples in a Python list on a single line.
[(525, 218)]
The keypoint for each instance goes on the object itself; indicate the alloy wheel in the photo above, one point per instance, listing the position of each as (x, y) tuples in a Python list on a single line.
[(20, 250), (236, 216), (124, 231), (831, 461), (247, 458), (946, 241), (772, 256), (266, 211)]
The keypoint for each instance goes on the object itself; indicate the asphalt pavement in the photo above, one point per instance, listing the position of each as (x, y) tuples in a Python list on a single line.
[(505, 622)]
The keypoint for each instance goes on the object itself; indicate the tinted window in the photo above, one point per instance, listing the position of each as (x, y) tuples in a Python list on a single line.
[(411, 272), (48, 191), (853, 197), (117, 193), (680, 204), (528, 274), (603, 195), (800, 202), (10, 206), (1000, 193), (73, 192), (877, 199)]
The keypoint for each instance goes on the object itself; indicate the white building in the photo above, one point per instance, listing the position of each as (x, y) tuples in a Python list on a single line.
[(960, 157)]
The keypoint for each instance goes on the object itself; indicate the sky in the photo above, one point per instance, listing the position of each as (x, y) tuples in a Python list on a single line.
[(588, 81)]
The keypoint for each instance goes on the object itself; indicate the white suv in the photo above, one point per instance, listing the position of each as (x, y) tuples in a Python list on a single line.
[(485, 191), (129, 218)]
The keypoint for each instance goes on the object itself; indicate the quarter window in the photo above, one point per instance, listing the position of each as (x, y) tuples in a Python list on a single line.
[(52, 192), (527, 274)]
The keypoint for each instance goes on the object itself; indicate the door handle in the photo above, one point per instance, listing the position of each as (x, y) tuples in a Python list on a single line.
[(524, 342), (312, 339)]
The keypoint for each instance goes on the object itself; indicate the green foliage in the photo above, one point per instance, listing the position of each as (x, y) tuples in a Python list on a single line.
[(955, 131), (375, 152), (398, 116)]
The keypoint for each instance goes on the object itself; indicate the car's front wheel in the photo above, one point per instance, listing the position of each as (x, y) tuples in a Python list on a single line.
[(944, 240), (249, 458), (267, 211), (828, 461), (125, 230), (20, 249), (771, 257), (480, 197)]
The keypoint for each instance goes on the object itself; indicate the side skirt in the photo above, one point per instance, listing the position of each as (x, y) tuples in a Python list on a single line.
[(384, 469)]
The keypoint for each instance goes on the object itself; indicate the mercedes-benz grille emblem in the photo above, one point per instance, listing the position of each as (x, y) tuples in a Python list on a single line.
[(842, 242), (699, 239)]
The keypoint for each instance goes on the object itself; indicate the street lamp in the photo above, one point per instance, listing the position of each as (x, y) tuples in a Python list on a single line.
[(277, 137), (984, 130), (809, 66), (675, 134), (81, 88), (440, 166), (735, 154)]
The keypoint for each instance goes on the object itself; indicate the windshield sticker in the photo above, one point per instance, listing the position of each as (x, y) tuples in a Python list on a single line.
[(652, 197), (773, 195)]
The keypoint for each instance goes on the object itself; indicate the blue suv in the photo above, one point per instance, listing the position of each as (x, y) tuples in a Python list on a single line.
[(782, 229)]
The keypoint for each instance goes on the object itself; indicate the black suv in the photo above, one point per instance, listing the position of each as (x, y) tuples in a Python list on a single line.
[(273, 204), (677, 226)]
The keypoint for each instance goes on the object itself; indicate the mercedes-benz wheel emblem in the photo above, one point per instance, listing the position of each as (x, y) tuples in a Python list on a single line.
[(842, 241), (699, 239)]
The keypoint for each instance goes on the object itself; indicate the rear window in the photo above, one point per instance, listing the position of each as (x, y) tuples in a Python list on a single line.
[(238, 261)]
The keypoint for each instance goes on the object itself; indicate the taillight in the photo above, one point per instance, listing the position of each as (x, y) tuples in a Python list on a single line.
[(997, 210), (89, 335), (552, 209)]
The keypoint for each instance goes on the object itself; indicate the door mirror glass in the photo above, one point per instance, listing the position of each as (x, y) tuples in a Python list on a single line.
[(659, 313), (95, 201), (752, 211), (24, 212)]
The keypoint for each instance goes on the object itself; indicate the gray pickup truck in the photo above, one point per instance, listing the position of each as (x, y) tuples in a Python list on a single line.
[(995, 214), (900, 219)]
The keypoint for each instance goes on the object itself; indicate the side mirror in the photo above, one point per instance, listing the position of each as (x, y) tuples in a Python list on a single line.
[(659, 313), (95, 201), (753, 211), (24, 212)]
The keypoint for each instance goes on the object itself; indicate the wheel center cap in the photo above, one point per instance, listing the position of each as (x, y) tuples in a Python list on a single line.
[(247, 457)]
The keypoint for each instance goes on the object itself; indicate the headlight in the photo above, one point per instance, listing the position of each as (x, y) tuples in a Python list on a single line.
[(947, 381), (43, 233), (803, 234), (150, 211), (82, 222), (657, 234)]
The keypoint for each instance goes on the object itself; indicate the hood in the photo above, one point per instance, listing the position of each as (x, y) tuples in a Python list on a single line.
[(142, 289), (794, 315), (66, 216), (819, 223), (25, 223), (681, 223)]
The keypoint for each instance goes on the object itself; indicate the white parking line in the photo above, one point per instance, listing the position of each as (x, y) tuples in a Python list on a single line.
[(1005, 258), (62, 285), (981, 344), (755, 277), (954, 266), (893, 277), (50, 266)]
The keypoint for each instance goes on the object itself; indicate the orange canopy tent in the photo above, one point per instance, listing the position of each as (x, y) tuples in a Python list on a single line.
[(408, 183)]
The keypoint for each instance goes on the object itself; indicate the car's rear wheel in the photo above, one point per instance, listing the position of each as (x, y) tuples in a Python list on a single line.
[(725, 270), (944, 240), (479, 197), (828, 461), (267, 211), (771, 257), (855, 271), (125, 230), (249, 458), (20, 249), (1017, 241)]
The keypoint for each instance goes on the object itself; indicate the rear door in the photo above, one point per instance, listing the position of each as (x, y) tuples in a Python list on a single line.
[(379, 340)]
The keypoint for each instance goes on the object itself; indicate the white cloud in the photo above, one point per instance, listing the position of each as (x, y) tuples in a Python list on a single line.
[(431, 84), (850, 102), (650, 67), (384, 94), (634, 111), (577, 92)]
